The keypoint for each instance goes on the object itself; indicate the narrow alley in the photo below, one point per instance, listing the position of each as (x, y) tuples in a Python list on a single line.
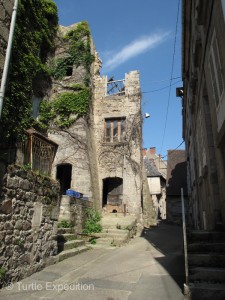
[(149, 267)]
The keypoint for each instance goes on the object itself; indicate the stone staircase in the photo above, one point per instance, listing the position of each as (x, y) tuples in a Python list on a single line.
[(117, 230), (206, 262), (68, 244)]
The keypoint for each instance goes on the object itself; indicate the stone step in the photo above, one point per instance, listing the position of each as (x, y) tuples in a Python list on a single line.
[(206, 236), (206, 291), (72, 252), (116, 235), (211, 275), (206, 247), (111, 242), (209, 260), (115, 231), (72, 244), (66, 237), (65, 230)]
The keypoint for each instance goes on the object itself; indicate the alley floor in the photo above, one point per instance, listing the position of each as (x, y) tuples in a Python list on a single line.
[(149, 267)]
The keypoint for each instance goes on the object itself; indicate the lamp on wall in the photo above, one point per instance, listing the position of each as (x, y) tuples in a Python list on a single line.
[(146, 115)]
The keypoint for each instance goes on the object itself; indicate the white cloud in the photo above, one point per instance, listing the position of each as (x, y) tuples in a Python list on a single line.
[(135, 48)]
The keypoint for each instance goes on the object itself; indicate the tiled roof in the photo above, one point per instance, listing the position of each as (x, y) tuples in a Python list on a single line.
[(150, 168)]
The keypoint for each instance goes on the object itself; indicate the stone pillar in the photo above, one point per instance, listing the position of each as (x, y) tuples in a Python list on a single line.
[(64, 212)]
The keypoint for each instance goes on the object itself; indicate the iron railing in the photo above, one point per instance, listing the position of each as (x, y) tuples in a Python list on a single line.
[(37, 151)]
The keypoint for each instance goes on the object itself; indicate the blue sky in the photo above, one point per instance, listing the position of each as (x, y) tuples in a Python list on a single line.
[(139, 35)]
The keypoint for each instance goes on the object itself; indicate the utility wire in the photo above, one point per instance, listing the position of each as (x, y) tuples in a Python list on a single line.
[(163, 80), (173, 149), (163, 88), (174, 51)]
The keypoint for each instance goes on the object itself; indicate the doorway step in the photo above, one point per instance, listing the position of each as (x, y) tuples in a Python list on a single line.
[(68, 244), (206, 263), (117, 230)]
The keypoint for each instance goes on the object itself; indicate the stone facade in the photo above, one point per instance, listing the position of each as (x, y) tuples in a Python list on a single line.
[(75, 144), (28, 223), (119, 158), (204, 110)]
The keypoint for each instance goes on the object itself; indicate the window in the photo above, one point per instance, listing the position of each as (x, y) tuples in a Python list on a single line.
[(114, 130), (215, 71)]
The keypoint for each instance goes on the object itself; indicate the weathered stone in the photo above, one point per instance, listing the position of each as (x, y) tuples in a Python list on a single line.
[(2, 235), (8, 239), (25, 258), (19, 224), (6, 207), (25, 185), (8, 226), (26, 225)]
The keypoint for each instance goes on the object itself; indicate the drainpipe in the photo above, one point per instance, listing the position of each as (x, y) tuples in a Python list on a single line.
[(7, 56)]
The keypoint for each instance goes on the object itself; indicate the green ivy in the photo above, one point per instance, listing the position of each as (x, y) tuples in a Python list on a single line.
[(65, 109), (36, 28), (78, 54)]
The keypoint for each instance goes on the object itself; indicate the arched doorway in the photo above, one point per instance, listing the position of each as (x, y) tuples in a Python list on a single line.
[(112, 194), (64, 175)]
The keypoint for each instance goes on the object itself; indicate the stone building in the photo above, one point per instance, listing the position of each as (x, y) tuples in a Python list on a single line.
[(118, 131), (204, 110), (99, 155), (159, 161), (157, 188)]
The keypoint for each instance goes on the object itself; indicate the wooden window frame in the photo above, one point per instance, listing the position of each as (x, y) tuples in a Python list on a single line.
[(120, 135)]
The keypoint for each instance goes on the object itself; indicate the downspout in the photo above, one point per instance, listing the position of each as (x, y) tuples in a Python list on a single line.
[(8, 54)]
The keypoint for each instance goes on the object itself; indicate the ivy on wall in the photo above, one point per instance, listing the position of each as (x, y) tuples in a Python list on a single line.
[(64, 110), (36, 28), (78, 54)]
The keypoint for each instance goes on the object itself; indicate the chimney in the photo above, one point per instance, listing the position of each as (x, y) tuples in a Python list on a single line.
[(152, 150), (144, 151)]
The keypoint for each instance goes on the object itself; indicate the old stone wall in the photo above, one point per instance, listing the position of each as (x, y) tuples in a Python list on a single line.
[(29, 208), (73, 210), (5, 19), (78, 209)]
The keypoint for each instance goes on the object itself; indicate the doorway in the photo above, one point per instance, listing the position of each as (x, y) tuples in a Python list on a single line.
[(112, 191), (64, 175)]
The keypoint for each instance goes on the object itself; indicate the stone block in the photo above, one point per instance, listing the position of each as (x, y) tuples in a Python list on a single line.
[(6, 207)]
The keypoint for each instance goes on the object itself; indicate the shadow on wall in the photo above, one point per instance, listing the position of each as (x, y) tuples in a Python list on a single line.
[(177, 180), (168, 239)]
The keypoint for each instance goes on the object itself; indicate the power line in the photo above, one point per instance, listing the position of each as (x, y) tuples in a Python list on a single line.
[(163, 88), (173, 149), (174, 51), (163, 80)]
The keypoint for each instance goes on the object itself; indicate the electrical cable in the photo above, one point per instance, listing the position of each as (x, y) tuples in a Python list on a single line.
[(163, 88), (173, 59)]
